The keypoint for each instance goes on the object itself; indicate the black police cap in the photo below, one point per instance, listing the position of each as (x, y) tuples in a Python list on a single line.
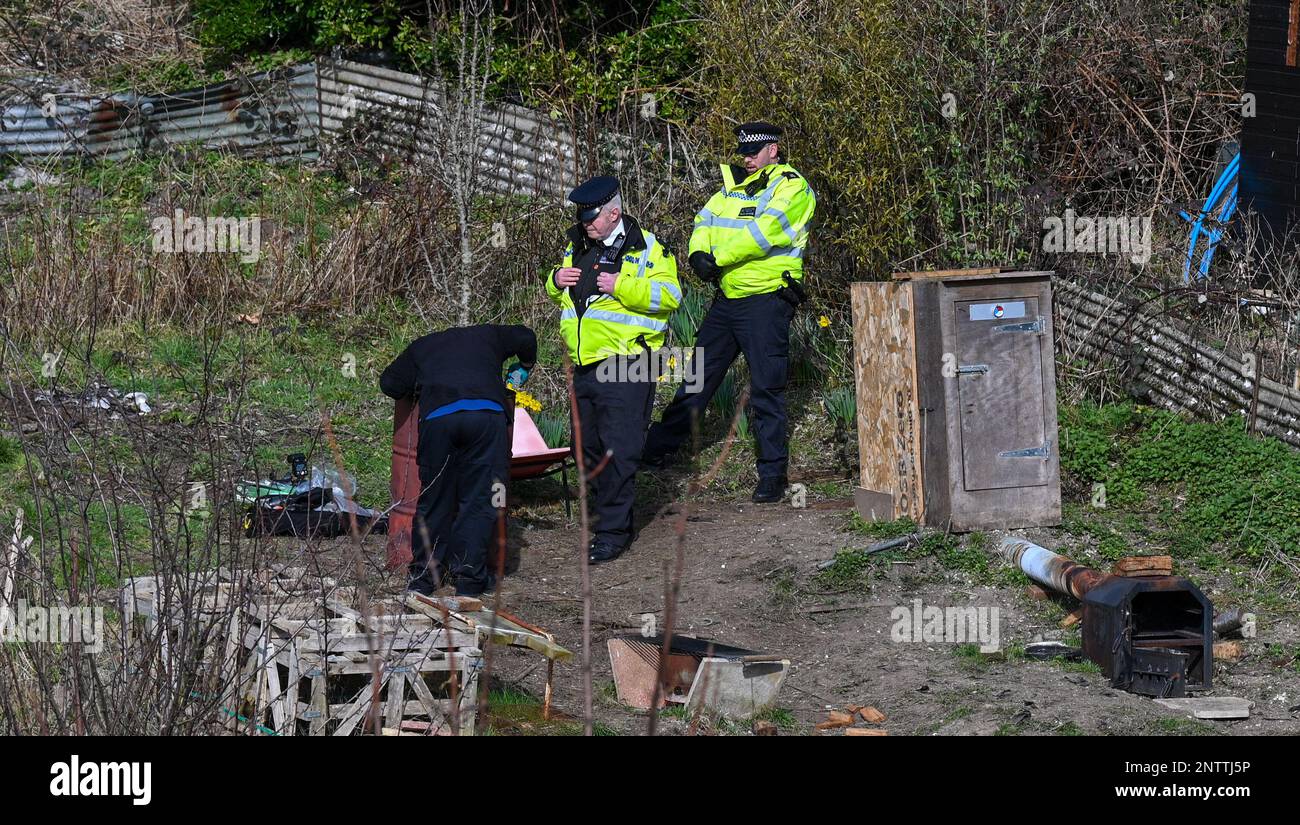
[(590, 196), (752, 136)]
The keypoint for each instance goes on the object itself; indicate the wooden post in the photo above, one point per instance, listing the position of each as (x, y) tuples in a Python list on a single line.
[(1292, 32)]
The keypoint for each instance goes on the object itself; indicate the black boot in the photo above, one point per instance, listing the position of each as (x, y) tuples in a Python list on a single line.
[(770, 489), (603, 551), (658, 461)]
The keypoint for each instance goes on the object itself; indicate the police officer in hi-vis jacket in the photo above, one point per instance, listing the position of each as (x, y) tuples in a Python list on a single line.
[(616, 287), (749, 240)]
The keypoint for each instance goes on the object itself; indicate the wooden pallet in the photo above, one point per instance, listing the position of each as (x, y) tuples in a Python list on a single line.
[(296, 658)]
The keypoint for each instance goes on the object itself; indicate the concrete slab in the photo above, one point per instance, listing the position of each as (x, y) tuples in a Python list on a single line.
[(737, 689), (1210, 707)]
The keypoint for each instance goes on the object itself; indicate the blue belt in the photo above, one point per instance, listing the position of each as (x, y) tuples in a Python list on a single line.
[(463, 405)]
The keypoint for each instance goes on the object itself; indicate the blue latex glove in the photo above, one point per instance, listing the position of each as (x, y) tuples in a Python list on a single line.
[(517, 375)]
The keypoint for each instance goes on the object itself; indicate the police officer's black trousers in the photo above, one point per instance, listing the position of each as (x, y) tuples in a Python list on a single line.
[(758, 326), (614, 416), (461, 455)]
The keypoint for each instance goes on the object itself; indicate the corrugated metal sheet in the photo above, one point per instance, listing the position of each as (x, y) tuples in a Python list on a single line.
[(270, 115), (1172, 368), (289, 113), (522, 152), (273, 114), (80, 125)]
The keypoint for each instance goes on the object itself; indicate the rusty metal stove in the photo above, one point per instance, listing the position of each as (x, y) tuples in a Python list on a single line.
[(1151, 635)]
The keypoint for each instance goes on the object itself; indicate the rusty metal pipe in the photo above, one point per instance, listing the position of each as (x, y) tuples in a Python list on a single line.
[(1050, 569)]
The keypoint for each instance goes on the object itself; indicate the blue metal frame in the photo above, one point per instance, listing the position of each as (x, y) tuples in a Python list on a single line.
[(1221, 203)]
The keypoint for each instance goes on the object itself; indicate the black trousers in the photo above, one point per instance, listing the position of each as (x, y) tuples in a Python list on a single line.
[(614, 415), (758, 326), (461, 456)]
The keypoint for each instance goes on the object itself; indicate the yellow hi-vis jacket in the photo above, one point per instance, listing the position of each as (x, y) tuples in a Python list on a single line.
[(756, 228), (636, 315)]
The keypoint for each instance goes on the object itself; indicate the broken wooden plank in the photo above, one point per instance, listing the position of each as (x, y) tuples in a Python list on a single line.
[(1035, 592), (1144, 566), (871, 715), (452, 604), (290, 709), (358, 709), (395, 703), (425, 696), (835, 719), (1228, 651), (318, 714)]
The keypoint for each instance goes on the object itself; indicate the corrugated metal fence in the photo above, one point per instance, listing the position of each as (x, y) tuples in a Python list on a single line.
[(520, 151), (272, 115), (1172, 368), (292, 114)]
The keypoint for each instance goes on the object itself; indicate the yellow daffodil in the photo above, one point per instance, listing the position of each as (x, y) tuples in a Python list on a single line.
[(823, 321), (526, 401)]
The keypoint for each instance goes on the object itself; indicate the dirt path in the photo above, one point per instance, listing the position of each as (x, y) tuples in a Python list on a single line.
[(750, 582)]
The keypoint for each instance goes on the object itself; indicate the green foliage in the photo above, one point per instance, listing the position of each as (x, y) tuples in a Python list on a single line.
[(835, 74), (1080, 666), (725, 400), (9, 452), (953, 555), (1178, 726), (848, 571), (516, 712), (805, 366), (686, 319), (367, 23), (267, 61), (554, 429), (842, 405), (237, 27), (605, 69), (604, 62), (780, 717), (160, 74), (967, 651), (817, 355), (976, 129), (243, 28), (1236, 490), (881, 529), (1285, 657)]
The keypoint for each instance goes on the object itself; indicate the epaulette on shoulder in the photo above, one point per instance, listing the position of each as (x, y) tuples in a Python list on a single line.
[(791, 174)]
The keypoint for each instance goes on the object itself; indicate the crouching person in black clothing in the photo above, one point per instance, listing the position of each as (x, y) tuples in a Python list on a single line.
[(463, 449)]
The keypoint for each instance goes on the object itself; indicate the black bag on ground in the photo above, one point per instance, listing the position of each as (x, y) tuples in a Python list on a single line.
[(301, 515)]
